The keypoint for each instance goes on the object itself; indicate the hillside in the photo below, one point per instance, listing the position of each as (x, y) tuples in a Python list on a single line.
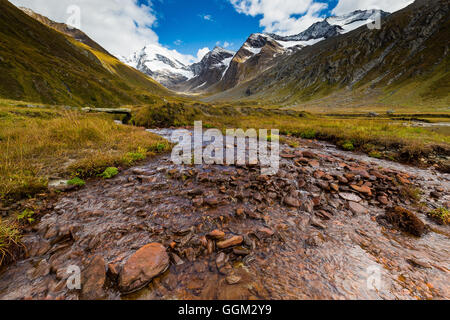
[(39, 64), (404, 63)]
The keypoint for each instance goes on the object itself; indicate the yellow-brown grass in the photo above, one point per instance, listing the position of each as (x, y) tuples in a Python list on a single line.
[(39, 143)]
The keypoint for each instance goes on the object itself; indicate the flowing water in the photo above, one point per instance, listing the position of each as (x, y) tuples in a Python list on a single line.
[(302, 237)]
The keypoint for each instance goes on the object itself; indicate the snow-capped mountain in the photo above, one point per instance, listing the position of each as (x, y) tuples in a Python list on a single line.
[(225, 69), (334, 26), (209, 70), (355, 19), (162, 64)]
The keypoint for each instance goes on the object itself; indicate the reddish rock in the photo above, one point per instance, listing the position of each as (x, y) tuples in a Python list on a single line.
[(234, 241), (324, 215), (318, 174), (334, 187), (147, 263), (379, 175), (314, 163), (287, 156), (361, 172), (342, 179), (356, 208), (240, 212), (349, 176), (316, 201), (308, 154), (217, 234), (265, 232), (362, 189), (93, 280), (324, 185), (403, 180), (292, 202), (383, 200)]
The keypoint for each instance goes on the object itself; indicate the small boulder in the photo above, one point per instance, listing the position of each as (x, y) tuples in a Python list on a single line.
[(356, 208), (147, 263), (232, 242), (93, 279)]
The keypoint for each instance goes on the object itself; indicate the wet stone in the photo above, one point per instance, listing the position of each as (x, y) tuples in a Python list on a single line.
[(234, 241), (147, 263), (356, 208), (93, 280)]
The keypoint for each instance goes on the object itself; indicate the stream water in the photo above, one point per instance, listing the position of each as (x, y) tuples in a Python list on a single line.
[(307, 234)]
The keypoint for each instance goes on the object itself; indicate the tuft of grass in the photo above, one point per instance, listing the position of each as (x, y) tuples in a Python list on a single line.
[(76, 182), (10, 237), (375, 154), (440, 215), (411, 192), (348, 146), (109, 173), (26, 215)]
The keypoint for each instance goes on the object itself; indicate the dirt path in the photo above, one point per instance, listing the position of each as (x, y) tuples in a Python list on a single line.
[(314, 231)]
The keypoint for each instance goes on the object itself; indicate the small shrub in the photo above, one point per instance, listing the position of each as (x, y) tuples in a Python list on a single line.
[(440, 215), (109, 173), (26, 215), (375, 154), (411, 192), (76, 182), (132, 157), (348, 146), (308, 134)]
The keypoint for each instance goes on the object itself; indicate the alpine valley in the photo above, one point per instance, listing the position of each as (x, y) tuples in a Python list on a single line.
[(102, 198)]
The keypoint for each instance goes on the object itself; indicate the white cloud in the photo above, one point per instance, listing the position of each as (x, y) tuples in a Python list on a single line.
[(225, 44), (202, 52), (281, 16), (178, 42), (207, 17), (288, 17), (121, 26), (345, 6)]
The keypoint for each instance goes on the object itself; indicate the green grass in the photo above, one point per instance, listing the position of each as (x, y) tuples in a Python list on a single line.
[(26, 215), (10, 236), (40, 142), (109, 173), (76, 182), (440, 215)]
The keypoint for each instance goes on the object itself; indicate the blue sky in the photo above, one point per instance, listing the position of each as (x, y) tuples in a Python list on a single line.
[(192, 26), (187, 25)]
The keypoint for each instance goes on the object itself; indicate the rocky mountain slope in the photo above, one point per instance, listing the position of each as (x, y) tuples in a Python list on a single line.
[(262, 51), (41, 64), (406, 60), (221, 69), (209, 71), (161, 64)]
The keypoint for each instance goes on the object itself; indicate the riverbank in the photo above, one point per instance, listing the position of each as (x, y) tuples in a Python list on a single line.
[(317, 230), (42, 145), (384, 138)]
